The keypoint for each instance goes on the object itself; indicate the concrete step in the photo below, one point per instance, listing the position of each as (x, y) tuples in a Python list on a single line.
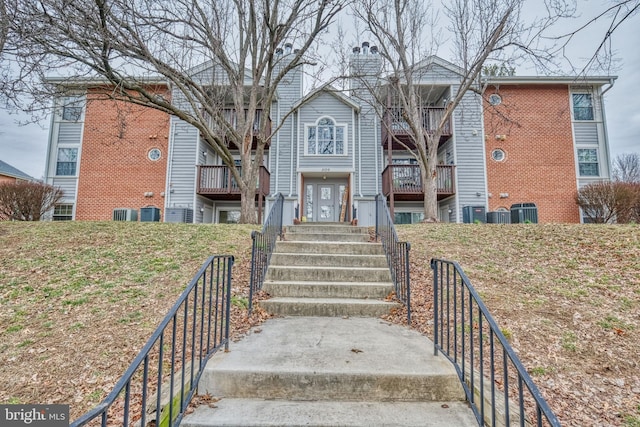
[(353, 248), (326, 260), (298, 289), (332, 307), (327, 274), (270, 413), (329, 359), (325, 228), (301, 236)]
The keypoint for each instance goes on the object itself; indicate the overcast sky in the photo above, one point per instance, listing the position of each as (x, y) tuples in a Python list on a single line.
[(24, 147)]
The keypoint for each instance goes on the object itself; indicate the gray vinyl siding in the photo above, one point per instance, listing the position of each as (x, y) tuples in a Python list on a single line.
[(586, 133), (68, 185), (469, 146), (182, 173), (323, 105), (69, 133), (368, 161), (436, 74), (280, 152)]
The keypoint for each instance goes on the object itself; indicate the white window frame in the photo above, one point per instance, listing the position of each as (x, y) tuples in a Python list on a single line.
[(71, 216), (597, 162), (336, 125), (593, 106), (64, 147), (72, 102)]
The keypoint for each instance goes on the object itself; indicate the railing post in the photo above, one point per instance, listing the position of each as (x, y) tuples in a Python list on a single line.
[(253, 270), (228, 308), (434, 267), (407, 279)]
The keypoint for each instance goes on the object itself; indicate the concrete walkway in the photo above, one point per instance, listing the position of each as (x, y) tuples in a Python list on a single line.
[(312, 369)]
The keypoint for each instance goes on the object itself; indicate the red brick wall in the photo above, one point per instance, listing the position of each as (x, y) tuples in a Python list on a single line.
[(540, 162), (5, 178), (115, 171)]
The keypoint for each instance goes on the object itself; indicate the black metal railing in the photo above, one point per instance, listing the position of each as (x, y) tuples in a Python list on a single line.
[(397, 253), (497, 385), (263, 244), (162, 379)]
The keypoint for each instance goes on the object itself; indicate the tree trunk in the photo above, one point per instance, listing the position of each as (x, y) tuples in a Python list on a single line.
[(429, 182), (248, 205)]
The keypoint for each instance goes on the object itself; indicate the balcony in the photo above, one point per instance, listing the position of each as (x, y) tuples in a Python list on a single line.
[(404, 184), (217, 183), (394, 125), (231, 116)]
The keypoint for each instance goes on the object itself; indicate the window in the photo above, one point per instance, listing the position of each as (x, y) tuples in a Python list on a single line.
[(229, 217), (582, 106), (408, 217), (63, 213), (154, 154), (67, 160), (588, 162), (72, 109), (495, 99), (498, 155), (326, 138)]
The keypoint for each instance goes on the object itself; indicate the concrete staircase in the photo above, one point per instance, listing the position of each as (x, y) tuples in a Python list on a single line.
[(331, 361), (328, 270)]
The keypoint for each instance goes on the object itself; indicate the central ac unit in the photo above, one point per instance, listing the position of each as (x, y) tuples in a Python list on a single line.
[(125, 214), (178, 215)]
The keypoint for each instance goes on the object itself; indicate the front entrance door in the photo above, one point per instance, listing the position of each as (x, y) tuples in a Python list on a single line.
[(323, 200)]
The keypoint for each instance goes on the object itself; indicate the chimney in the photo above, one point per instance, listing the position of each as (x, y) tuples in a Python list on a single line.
[(365, 48), (356, 50), (287, 48), (279, 51), (374, 50)]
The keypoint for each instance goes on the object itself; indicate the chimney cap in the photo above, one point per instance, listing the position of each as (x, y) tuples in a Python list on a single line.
[(356, 50), (374, 49), (365, 44)]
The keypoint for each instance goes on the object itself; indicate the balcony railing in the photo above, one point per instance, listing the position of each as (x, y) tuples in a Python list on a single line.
[(394, 122), (231, 116), (218, 180), (405, 180)]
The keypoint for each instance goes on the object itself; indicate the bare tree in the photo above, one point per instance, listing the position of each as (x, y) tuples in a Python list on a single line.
[(626, 168), (219, 58), (610, 202), (481, 31), (27, 201)]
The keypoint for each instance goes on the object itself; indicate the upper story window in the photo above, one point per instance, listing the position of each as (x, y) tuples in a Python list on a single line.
[(582, 106), (588, 162), (67, 161), (72, 109), (326, 138)]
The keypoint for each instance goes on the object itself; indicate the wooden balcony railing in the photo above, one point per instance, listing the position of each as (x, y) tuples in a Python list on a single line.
[(231, 116), (394, 122), (218, 180), (404, 180)]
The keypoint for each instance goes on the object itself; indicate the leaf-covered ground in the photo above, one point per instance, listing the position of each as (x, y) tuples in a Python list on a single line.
[(78, 300), (568, 297)]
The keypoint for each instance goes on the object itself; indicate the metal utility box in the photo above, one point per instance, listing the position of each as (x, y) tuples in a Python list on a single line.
[(499, 217), (125, 214), (149, 214), (524, 213), (471, 214), (178, 215)]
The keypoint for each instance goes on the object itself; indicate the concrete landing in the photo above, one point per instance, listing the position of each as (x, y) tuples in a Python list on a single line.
[(327, 371), (324, 358), (271, 413)]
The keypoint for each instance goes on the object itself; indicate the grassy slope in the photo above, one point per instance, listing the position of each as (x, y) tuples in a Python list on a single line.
[(77, 300)]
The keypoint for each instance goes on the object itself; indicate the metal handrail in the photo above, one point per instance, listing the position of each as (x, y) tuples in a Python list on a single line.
[(397, 253), (466, 333), (196, 327), (263, 244)]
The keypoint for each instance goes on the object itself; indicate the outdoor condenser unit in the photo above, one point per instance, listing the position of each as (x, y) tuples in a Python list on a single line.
[(178, 215), (125, 214)]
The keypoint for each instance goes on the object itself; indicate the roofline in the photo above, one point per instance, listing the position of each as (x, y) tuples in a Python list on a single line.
[(91, 81), (328, 88), (570, 80)]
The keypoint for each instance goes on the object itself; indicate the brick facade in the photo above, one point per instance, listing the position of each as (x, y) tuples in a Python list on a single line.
[(115, 170), (533, 127)]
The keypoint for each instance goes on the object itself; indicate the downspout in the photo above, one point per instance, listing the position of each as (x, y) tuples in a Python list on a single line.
[(359, 151), (375, 152), (293, 128), (604, 126), (277, 156)]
